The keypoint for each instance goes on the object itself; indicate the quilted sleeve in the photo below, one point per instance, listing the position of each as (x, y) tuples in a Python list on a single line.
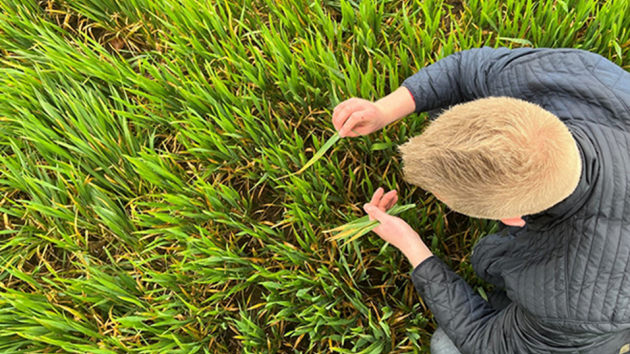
[(471, 323), (459, 77)]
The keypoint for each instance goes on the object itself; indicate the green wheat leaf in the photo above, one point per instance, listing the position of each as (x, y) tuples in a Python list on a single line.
[(331, 141)]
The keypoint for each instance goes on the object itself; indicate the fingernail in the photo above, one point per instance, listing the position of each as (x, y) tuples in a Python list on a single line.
[(367, 207)]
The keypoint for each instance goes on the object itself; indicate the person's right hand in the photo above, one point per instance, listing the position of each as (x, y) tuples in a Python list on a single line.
[(362, 116)]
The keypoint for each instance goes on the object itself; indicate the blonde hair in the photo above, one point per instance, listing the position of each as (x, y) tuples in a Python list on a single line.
[(495, 158)]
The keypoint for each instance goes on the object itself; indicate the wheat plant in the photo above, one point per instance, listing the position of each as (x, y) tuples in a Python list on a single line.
[(143, 145)]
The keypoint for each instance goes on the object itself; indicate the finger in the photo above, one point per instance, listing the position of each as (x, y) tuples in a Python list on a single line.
[(336, 111), (377, 196), (392, 202), (354, 119), (342, 114), (386, 200), (340, 117), (375, 212), (343, 104)]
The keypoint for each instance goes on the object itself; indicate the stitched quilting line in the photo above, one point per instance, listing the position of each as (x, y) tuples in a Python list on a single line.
[(568, 240), (623, 209), (590, 250), (606, 234), (624, 186)]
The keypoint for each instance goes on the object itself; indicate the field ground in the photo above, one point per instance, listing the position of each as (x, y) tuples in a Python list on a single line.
[(141, 144)]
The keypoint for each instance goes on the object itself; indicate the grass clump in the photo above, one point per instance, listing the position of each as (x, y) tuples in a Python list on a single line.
[(142, 151)]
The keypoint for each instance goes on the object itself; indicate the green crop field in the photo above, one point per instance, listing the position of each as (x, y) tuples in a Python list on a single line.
[(143, 145)]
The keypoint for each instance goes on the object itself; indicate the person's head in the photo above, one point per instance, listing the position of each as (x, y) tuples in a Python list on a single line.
[(495, 158)]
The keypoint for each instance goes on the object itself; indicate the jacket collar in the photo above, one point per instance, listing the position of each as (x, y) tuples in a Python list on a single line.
[(554, 215)]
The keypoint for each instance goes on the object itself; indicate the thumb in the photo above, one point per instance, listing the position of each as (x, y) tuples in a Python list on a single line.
[(375, 212), (344, 131)]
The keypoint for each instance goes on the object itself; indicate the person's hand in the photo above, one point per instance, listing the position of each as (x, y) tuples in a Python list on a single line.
[(394, 229), (362, 116), (391, 228)]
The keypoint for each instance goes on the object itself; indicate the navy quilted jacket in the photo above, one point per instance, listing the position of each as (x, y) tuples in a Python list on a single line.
[(566, 273)]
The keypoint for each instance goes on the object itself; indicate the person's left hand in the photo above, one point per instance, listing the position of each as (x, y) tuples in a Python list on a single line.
[(394, 229)]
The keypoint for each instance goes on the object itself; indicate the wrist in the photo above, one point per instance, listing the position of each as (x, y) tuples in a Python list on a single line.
[(396, 105), (386, 112), (416, 251)]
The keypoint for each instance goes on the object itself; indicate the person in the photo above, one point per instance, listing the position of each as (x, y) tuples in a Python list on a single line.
[(538, 139)]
